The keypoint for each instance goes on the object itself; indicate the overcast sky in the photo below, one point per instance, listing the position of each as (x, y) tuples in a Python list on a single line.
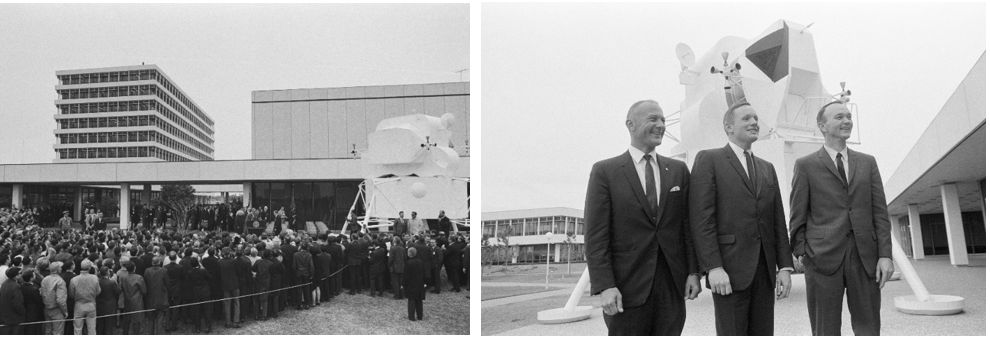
[(218, 54), (557, 79)]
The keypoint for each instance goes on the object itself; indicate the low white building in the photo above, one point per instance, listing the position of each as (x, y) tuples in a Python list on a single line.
[(526, 233)]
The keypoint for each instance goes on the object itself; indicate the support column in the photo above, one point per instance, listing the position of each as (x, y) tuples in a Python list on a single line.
[(247, 194), (125, 206), (226, 197), (895, 231), (556, 253), (917, 241), (146, 195), (77, 209), (954, 225), (17, 195)]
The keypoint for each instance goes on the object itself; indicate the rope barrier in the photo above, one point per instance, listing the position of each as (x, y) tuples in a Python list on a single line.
[(183, 305)]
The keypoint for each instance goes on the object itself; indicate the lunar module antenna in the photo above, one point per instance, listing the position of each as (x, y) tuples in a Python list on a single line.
[(733, 81), (844, 94)]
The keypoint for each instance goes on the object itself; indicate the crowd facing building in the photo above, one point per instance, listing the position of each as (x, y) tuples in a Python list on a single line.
[(150, 280)]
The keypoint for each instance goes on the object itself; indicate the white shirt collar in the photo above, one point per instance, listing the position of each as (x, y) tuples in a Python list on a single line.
[(740, 153), (637, 154), (831, 153)]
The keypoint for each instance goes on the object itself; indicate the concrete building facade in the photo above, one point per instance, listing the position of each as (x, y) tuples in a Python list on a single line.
[(335, 122), (526, 231), (127, 114)]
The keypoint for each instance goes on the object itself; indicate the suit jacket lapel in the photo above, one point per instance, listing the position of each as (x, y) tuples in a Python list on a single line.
[(665, 185), (828, 163), (629, 169), (734, 161)]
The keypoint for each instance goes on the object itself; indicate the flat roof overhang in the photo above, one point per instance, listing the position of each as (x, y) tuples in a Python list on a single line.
[(191, 172), (964, 164)]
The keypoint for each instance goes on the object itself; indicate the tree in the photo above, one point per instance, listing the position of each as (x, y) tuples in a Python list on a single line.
[(106, 204), (569, 241), (180, 199), (492, 252)]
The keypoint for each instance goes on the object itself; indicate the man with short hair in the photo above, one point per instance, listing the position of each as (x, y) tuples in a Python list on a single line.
[(54, 293), (443, 224), (638, 241), (416, 225), (229, 285), (413, 285), (400, 225), (840, 229), (84, 289), (65, 224), (262, 282), (157, 280), (175, 277), (12, 310), (133, 287), (397, 265), (739, 229), (303, 262)]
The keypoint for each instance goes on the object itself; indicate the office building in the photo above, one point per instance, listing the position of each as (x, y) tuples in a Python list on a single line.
[(127, 114)]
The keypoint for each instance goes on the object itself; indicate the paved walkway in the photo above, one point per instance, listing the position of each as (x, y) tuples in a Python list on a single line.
[(791, 314)]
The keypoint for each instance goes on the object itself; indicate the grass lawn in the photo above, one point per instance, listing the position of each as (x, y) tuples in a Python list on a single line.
[(491, 293), (446, 313), (530, 273)]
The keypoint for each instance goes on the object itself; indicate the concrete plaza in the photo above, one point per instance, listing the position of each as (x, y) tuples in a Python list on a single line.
[(516, 315)]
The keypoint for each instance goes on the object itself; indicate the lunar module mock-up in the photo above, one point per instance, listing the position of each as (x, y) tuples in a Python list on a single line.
[(409, 166)]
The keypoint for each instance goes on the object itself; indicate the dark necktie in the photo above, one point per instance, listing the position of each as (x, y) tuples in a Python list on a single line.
[(751, 165), (842, 169), (651, 186)]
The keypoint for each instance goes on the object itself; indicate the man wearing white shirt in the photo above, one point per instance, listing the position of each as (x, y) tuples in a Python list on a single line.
[(641, 258), (840, 229), (739, 228)]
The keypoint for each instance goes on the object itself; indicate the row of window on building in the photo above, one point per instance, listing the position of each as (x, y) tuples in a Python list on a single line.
[(130, 106), (121, 91), (129, 76), (534, 226), (118, 152), (130, 136)]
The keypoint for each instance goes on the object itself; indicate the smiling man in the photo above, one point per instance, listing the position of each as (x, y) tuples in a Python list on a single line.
[(638, 243), (739, 228), (840, 229)]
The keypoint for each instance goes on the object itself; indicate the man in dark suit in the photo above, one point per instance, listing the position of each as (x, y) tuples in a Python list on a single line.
[(414, 286), (638, 241), (452, 262), (303, 262), (397, 265), (355, 253), (739, 229), (230, 287), (443, 224), (401, 225), (378, 268), (174, 289), (843, 239), (288, 296), (157, 281), (12, 310), (338, 261)]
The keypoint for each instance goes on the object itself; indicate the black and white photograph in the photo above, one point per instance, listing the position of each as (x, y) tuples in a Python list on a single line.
[(730, 169), (235, 169)]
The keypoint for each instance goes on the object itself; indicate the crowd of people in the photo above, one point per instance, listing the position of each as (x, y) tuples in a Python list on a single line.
[(149, 280)]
